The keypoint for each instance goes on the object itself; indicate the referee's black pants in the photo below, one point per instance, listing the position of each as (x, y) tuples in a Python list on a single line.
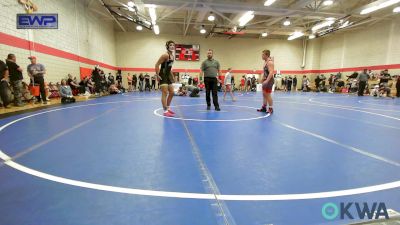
[(211, 84)]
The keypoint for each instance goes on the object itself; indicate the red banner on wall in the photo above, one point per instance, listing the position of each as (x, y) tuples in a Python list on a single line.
[(187, 52), (85, 72)]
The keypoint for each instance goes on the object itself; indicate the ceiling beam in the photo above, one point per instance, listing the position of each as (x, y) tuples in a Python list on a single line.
[(100, 13), (201, 16), (375, 3), (275, 20), (219, 14), (237, 7), (89, 3), (173, 11), (112, 16), (301, 4), (190, 19)]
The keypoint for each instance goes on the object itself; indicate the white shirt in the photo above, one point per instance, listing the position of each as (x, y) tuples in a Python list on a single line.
[(228, 78)]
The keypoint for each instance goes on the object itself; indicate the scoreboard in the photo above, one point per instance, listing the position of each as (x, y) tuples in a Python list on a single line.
[(185, 52)]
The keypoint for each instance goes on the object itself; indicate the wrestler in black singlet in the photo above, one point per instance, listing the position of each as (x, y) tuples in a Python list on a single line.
[(270, 84), (165, 71)]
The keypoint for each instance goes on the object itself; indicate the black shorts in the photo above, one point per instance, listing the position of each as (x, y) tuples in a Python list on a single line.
[(267, 87), (165, 79)]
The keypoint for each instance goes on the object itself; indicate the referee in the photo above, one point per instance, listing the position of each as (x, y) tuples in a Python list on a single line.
[(210, 69)]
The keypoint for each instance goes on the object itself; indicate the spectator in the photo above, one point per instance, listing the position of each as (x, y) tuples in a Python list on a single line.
[(129, 79), (113, 89), (295, 83), (26, 94), (97, 80), (340, 83), (153, 82), (90, 85), (121, 88), (134, 82), (317, 83), (362, 82), (119, 79), (353, 85), (305, 84), (321, 84), (254, 83), (185, 78), (15, 76), (338, 76), (384, 82), (242, 83), (384, 89), (141, 82), (284, 83), (194, 91), (375, 91), (176, 77), (195, 81), (190, 81), (103, 82), (201, 86), (53, 91), (228, 84), (398, 86), (385, 77), (66, 93), (332, 83), (248, 83), (85, 86), (322, 79), (36, 72), (289, 84), (372, 75), (76, 89), (181, 91), (111, 78), (352, 76), (233, 83), (147, 82), (5, 92)]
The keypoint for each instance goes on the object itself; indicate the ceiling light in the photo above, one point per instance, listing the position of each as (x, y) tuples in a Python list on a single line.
[(264, 34), (330, 18), (322, 25), (131, 4), (295, 35), (131, 9), (156, 29), (345, 24), (211, 17), (269, 2), (147, 23), (312, 36), (328, 2), (203, 30), (152, 13), (380, 6), (249, 15), (396, 10), (287, 22), (138, 27)]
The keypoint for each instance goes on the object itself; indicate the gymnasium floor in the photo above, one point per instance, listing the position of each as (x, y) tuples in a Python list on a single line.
[(115, 160)]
